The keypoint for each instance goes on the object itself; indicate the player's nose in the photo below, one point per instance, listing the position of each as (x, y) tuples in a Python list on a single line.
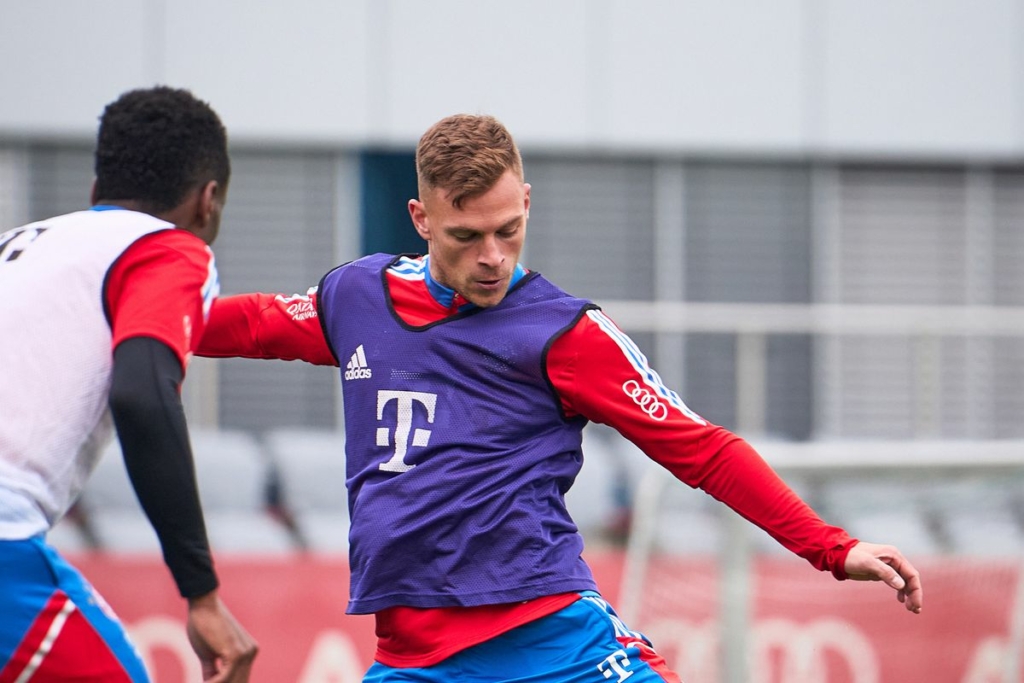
[(490, 253)]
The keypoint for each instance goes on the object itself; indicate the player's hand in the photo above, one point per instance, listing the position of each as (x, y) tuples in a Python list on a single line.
[(226, 651), (873, 562)]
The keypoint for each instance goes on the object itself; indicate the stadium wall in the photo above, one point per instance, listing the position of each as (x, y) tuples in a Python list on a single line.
[(915, 78)]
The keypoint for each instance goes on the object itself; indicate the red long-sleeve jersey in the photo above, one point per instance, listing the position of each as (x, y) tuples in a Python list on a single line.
[(597, 372)]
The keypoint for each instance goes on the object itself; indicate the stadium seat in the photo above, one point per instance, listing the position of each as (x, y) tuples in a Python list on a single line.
[(67, 536), (232, 476), (311, 466), (979, 516), (113, 509), (688, 521), (881, 510), (692, 531)]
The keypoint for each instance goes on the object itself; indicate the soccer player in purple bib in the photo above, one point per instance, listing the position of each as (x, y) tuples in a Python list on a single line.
[(467, 381)]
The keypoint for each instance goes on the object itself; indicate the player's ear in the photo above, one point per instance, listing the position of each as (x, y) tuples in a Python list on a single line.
[(207, 205), (206, 209), (418, 213)]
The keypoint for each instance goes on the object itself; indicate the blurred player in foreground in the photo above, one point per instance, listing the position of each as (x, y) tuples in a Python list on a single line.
[(103, 308), (467, 381)]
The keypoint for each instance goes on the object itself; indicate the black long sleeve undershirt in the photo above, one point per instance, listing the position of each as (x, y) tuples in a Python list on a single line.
[(145, 402)]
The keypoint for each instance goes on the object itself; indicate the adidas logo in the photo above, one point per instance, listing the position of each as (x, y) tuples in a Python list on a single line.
[(356, 368)]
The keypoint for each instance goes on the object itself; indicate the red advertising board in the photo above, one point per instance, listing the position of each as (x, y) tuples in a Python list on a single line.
[(805, 627)]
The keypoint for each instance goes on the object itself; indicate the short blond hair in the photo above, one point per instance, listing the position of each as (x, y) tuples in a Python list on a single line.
[(465, 155)]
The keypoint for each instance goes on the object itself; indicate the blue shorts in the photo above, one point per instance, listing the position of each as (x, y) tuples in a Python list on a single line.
[(585, 642), (53, 624)]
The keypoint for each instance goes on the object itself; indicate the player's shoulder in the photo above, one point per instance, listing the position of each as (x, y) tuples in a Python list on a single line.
[(596, 333), (593, 321), (171, 244), (176, 238)]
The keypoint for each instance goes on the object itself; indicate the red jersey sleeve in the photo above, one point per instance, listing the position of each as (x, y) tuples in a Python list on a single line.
[(161, 287), (266, 326), (599, 373)]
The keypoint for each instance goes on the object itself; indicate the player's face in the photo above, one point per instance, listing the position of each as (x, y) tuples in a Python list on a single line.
[(474, 249)]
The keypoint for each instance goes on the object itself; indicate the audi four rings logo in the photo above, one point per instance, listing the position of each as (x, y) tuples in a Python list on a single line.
[(647, 401)]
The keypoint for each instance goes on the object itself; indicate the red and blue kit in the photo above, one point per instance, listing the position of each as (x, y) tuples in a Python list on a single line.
[(463, 432)]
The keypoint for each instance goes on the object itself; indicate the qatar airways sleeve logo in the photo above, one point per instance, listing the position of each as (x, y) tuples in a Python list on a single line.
[(299, 306), (406, 403)]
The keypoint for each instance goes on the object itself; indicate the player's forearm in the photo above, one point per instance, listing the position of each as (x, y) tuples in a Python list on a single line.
[(739, 477), (265, 326), (231, 329), (593, 376), (146, 406)]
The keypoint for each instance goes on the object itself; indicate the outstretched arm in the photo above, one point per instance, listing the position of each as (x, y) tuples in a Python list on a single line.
[(598, 372), (266, 326)]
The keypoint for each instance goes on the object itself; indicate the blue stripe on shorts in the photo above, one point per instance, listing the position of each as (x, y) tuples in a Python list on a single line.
[(578, 644)]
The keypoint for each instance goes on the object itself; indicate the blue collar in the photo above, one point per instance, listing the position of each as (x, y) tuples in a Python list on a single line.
[(445, 295), (106, 207)]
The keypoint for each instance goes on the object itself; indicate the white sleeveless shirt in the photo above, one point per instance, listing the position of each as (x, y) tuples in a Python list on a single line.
[(56, 359)]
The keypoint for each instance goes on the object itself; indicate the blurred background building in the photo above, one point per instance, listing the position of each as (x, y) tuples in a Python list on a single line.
[(792, 152), (808, 214)]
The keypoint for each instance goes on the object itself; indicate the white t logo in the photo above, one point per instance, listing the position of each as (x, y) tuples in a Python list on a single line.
[(420, 437), (614, 665)]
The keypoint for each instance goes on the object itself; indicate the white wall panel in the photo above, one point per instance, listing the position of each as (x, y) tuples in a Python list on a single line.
[(921, 77), (915, 78), (705, 75), (289, 71), (525, 63), (62, 61)]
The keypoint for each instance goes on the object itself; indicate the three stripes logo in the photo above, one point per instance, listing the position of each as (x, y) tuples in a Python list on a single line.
[(357, 368)]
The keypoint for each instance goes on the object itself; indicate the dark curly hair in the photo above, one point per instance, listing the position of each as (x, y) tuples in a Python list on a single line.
[(157, 144)]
